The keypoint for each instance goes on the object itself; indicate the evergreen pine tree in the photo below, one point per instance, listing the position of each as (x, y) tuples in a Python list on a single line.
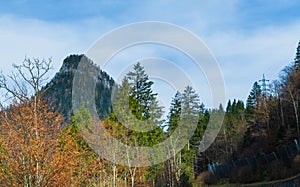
[(189, 117), (252, 115), (190, 106), (229, 107), (253, 97), (175, 112), (136, 107), (121, 103), (297, 58), (143, 102)]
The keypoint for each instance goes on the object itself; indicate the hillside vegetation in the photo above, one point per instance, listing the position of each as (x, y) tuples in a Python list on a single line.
[(41, 142)]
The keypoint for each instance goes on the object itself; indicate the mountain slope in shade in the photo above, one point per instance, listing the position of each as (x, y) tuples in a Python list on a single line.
[(58, 92)]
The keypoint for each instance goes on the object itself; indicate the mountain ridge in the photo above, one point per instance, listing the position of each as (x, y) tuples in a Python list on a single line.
[(58, 92)]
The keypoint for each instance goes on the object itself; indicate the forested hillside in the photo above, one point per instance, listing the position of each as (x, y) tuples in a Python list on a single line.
[(41, 143)]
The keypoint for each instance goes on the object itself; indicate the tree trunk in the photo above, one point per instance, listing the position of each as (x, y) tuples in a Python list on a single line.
[(295, 105), (114, 180), (297, 118), (132, 181), (281, 114)]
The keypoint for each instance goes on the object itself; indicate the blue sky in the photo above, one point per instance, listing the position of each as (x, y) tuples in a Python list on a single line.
[(248, 38)]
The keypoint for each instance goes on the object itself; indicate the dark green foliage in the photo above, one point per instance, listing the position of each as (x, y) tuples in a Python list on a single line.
[(203, 119), (136, 105), (190, 110), (234, 127), (186, 111), (190, 105), (253, 97), (175, 112), (143, 102), (297, 58), (253, 112), (80, 118)]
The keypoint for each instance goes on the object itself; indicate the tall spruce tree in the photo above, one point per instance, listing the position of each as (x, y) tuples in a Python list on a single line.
[(253, 97), (143, 102), (173, 166), (136, 105), (297, 58), (184, 112), (233, 129), (253, 114), (175, 112), (189, 117), (190, 107)]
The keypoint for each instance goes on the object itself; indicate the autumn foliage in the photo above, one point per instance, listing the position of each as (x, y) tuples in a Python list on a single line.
[(32, 153)]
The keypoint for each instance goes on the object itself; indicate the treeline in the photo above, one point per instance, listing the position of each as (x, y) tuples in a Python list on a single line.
[(37, 148), (269, 120)]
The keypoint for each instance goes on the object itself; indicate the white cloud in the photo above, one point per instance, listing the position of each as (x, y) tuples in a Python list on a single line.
[(38, 39), (244, 55)]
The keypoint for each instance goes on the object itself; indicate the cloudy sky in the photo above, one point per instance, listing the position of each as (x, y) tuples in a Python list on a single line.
[(247, 38)]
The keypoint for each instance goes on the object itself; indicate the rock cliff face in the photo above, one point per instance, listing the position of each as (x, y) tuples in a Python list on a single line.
[(58, 92)]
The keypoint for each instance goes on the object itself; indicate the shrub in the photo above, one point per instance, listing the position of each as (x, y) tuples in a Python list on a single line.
[(296, 165), (207, 178), (276, 170), (242, 175)]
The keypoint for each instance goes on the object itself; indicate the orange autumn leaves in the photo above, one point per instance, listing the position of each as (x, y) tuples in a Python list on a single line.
[(32, 153)]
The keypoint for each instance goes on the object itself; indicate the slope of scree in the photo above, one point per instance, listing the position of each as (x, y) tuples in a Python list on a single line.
[(58, 92)]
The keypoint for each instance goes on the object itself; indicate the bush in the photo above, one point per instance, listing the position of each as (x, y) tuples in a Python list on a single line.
[(296, 165), (276, 170), (207, 178), (297, 159), (242, 175)]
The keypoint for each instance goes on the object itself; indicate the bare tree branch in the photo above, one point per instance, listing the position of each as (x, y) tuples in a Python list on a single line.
[(27, 79)]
